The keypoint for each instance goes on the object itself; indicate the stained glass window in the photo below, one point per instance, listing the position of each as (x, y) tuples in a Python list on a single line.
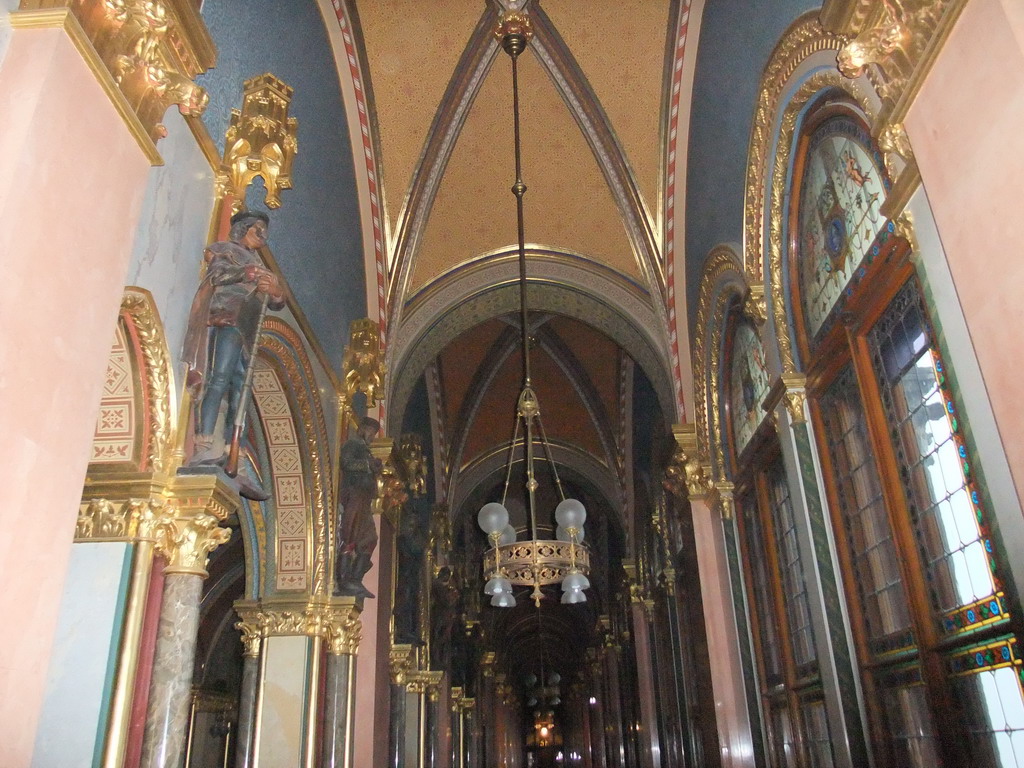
[(841, 193), (748, 384), (866, 523)]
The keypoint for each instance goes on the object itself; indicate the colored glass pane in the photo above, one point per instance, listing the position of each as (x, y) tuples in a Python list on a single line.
[(866, 524), (748, 384), (841, 194), (932, 459), (793, 585)]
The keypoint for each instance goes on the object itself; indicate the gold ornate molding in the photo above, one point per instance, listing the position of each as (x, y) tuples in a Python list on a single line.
[(777, 248), (260, 142), (722, 282), (411, 463), (804, 38), (336, 620), (895, 48), (187, 540), (144, 53), (487, 663), (138, 305), (128, 520), (362, 366)]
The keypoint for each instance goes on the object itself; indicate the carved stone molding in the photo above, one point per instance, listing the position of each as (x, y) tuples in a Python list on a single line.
[(260, 142), (145, 54)]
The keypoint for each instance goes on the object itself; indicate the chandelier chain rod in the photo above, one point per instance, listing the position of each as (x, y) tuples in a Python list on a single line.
[(519, 189)]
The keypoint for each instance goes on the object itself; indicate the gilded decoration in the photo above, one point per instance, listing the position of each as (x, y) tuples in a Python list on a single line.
[(137, 306), (779, 195), (895, 146), (722, 284), (298, 372), (412, 463), (401, 659), (391, 489), (363, 367), (260, 141), (696, 473), (755, 307), (726, 499), (895, 48), (805, 38), (337, 621), (130, 520), (145, 53)]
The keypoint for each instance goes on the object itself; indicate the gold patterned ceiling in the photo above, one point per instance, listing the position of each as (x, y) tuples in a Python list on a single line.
[(421, 59)]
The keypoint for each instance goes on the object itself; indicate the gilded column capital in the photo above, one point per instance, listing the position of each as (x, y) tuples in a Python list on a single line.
[(252, 635), (487, 663), (725, 491), (186, 540), (344, 630), (260, 141), (789, 390), (401, 659), (144, 53)]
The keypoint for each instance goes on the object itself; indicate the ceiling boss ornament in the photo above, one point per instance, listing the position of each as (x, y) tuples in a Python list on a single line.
[(536, 562)]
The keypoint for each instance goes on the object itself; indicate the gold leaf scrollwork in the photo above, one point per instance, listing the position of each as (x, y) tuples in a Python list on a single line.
[(261, 140)]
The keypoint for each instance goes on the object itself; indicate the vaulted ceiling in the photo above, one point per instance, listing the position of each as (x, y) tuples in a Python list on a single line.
[(592, 93)]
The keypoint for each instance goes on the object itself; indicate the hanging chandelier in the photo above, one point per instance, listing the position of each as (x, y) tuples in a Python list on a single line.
[(537, 562)]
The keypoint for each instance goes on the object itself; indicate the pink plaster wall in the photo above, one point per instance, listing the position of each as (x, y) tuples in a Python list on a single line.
[(71, 184), (373, 674), (733, 721), (965, 127)]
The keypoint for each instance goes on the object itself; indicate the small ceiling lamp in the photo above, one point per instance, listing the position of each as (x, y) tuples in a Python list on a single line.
[(535, 562)]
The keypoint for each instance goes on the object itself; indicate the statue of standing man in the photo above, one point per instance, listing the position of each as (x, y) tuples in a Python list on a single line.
[(223, 329), (357, 532)]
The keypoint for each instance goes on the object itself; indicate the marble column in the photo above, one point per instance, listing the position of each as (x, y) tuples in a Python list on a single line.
[(252, 638), (185, 538), (401, 662), (343, 635)]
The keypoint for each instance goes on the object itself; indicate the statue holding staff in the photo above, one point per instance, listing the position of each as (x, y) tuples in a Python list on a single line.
[(223, 330), (357, 534)]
